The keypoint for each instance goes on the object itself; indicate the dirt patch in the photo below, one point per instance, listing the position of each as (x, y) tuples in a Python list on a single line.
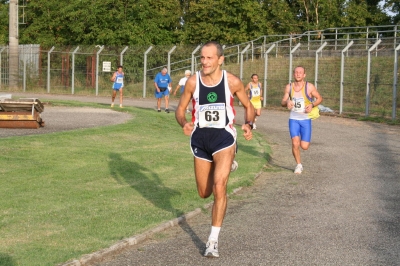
[(68, 118)]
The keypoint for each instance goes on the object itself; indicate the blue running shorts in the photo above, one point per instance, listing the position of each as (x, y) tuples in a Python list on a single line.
[(163, 92), (301, 128)]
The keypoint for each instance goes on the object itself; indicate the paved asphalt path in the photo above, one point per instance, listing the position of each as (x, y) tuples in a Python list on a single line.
[(343, 210)]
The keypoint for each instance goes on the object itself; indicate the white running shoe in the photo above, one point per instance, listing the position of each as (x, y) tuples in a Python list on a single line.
[(211, 249), (234, 166), (112, 105), (254, 126), (298, 169)]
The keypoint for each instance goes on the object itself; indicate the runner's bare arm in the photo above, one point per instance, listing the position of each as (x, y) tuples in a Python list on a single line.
[(113, 77), (285, 100), (312, 93), (315, 94)]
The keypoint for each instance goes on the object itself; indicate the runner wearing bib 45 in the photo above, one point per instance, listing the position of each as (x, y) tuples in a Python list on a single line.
[(298, 98)]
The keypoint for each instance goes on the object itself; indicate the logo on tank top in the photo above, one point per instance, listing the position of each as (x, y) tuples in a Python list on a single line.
[(212, 97)]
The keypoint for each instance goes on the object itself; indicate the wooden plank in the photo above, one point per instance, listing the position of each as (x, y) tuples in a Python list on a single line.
[(26, 105), (20, 124), (38, 104), (17, 117), (20, 116)]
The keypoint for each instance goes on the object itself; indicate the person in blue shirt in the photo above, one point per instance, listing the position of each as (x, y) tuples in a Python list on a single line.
[(118, 85), (162, 82)]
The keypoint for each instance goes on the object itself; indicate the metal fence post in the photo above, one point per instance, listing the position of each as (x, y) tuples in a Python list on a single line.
[(336, 33), (266, 73), (1, 50), (369, 76), (252, 51), (97, 69), (169, 59), (145, 71), (48, 68), (316, 63), (241, 60), (73, 71), (121, 56), (394, 100), (193, 57), (238, 53), (290, 61), (342, 75), (24, 74)]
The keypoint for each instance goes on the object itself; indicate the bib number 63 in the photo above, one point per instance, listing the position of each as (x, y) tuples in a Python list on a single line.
[(211, 116)]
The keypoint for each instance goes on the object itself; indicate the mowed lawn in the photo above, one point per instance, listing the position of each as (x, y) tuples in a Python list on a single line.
[(71, 193)]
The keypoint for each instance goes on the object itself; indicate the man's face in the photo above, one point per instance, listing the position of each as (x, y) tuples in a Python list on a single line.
[(299, 74), (163, 72), (119, 70), (210, 60)]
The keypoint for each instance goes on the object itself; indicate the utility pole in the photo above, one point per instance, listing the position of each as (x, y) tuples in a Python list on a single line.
[(13, 45)]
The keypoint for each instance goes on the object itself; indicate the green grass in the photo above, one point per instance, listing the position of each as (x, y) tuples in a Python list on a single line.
[(72, 193)]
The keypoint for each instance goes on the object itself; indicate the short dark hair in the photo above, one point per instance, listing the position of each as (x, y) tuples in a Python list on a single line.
[(220, 50), (119, 66), (254, 75), (300, 67)]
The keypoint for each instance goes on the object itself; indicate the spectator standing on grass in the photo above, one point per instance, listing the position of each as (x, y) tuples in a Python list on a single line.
[(118, 85), (162, 82), (213, 136), (301, 98), (181, 85), (254, 91)]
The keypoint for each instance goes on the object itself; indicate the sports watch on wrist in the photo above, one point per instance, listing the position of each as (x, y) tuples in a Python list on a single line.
[(250, 124)]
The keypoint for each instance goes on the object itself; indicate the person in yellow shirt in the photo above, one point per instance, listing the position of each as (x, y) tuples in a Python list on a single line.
[(254, 92)]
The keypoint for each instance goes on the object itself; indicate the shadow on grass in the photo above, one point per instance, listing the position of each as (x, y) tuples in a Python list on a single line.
[(242, 147), (6, 260), (151, 187)]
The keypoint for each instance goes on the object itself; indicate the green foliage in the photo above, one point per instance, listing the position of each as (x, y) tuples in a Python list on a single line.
[(105, 22), (228, 21), (394, 7), (3, 22), (145, 22)]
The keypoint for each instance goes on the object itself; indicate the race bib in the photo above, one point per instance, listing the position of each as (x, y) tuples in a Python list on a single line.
[(256, 91), (119, 80), (299, 105), (212, 115)]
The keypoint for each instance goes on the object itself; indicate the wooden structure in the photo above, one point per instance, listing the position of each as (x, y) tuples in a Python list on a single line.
[(23, 113)]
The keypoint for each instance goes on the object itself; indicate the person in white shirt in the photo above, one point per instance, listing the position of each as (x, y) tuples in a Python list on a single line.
[(181, 85)]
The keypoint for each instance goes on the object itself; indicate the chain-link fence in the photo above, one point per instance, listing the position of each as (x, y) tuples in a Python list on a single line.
[(355, 69)]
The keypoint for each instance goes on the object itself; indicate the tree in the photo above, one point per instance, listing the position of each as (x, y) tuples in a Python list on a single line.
[(282, 17), (226, 21), (4, 21), (364, 13), (145, 22), (108, 22), (393, 6)]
